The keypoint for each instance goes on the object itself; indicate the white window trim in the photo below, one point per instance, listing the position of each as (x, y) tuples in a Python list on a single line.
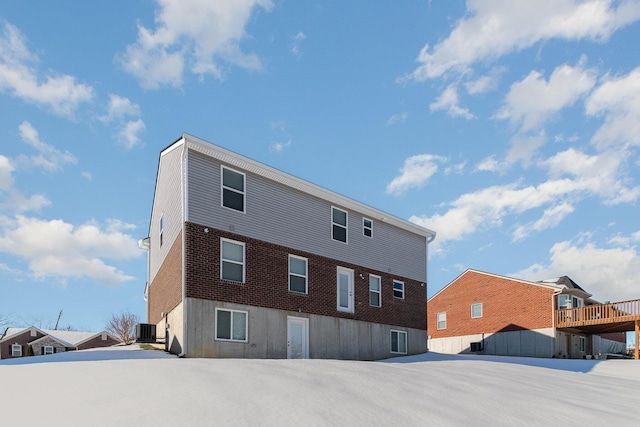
[(306, 274), (246, 325), (476, 317), (346, 226), (394, 289), (223, 187), (438, 321), (15, 347), (379, 291), (406, 343), (567, 298), (365, 228), (244, 259), (44, 349)]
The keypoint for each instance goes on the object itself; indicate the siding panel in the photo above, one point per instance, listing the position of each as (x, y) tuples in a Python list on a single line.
[(288, 217)]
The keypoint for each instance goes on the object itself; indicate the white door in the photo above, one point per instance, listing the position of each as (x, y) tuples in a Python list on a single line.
[(297, 338), (345, 290)]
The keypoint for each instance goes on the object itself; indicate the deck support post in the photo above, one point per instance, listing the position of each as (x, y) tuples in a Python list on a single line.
[(636, 352)]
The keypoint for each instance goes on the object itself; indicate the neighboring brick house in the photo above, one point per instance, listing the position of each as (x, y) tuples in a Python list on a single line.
[(20, 342), (247, 261), (492, 314)]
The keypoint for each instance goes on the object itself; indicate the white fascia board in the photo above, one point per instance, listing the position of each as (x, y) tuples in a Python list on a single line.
[(291, 181)]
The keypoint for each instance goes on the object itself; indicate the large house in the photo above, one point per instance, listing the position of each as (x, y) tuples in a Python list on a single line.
[(247, 261), (486, 313), (32, 341)]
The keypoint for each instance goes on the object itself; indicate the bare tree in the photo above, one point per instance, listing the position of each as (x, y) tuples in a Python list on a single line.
[(123, 325), (5, 320)]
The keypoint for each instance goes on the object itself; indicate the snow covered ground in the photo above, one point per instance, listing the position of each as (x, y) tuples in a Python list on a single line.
[(132, 387)]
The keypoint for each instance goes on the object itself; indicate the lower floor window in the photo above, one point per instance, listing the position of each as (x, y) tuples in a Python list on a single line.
[(231, 325), (16, 350), (398, 342), (48, 349)]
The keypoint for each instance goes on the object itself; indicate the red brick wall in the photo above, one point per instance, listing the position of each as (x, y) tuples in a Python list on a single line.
[(23, 339), (267, 283), (507, 305), (165, 292), (98, 342), (615, 336)]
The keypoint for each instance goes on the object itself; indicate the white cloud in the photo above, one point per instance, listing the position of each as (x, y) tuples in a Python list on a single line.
[(397, 118), (123, 112), (607, 273), (120, 107), (524, 148), (550, 219), (18, 77), (618, 99), (491, 164), (87, 175), (49, 158), (297, 41), (448, 101), (455, 169), (56, 249), (532, 101), (415, 173), (279, 146), (10, 198), (129, 135), (492, 29), (197, 34)]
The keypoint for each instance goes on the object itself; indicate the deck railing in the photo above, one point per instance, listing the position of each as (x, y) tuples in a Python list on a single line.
[(598, 314)]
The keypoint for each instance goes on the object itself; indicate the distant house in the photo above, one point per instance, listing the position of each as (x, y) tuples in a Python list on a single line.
[(247, 261), (20, 342), (492, 314)]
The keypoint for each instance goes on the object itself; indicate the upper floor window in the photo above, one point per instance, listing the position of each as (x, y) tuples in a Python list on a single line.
[(563, 301), (398, 289), (297, 274), (441, 320), (16, 350), (367, 227), (339, 225), (375, 299), (476, 310), (233, 189), (232, 260)]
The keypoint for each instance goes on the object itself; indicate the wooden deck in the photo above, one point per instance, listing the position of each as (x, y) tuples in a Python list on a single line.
[(602, 318)]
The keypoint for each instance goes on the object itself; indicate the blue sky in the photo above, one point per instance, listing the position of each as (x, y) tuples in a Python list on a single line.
[(510, 128)]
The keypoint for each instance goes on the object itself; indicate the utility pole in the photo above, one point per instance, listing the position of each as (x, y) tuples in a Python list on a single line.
[(58, 321)]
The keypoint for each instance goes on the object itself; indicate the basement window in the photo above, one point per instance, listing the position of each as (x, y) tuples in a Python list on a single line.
[(231, 325), (398, 342)]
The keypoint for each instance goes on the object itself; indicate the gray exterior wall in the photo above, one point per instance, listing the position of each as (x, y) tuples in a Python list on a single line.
[(329, 337), (285, 216), (167, 201), (527, 343)]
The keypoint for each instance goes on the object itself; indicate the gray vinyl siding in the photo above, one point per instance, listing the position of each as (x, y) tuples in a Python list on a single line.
[(285, 216), (167, 201)]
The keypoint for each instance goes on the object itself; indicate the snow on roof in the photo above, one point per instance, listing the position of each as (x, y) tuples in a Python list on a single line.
[(72, 338)]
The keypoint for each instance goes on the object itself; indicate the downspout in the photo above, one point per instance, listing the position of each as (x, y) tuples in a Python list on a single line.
[(146, 245), (553, 320), (430, 238), (183, 189)]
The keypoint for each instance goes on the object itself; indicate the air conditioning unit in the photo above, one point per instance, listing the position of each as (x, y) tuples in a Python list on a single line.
[(145, 332), (476, 347)]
